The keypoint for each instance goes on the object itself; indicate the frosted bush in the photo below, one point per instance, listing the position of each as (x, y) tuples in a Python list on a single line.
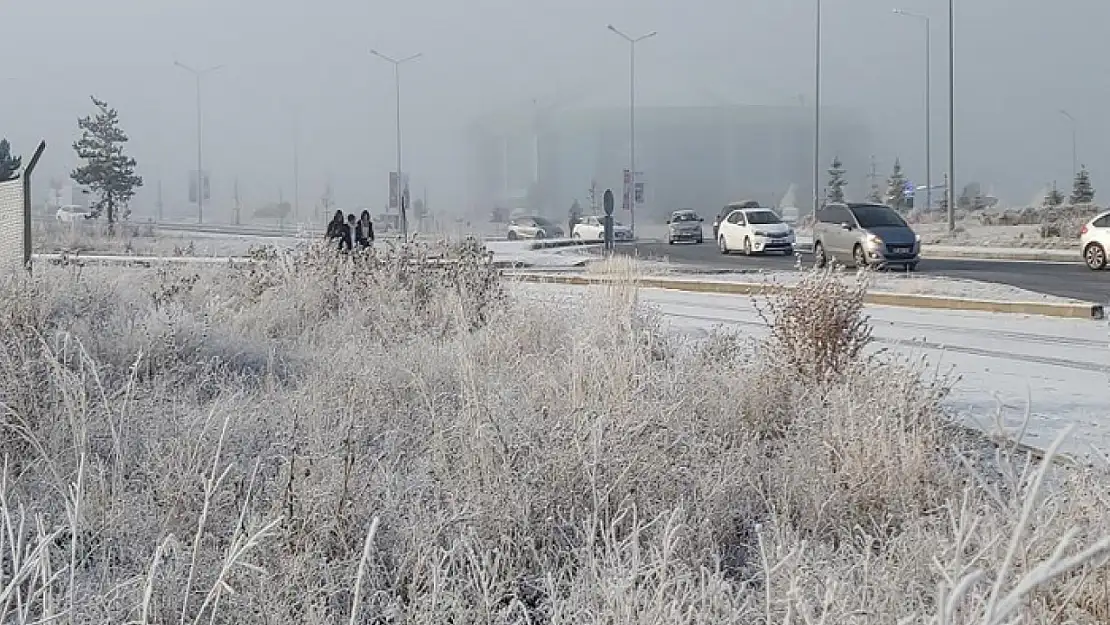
[(250, 444)]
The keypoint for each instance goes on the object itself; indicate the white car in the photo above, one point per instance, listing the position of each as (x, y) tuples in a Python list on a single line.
[(1094, 240), (72, 213), (592, 228), (753, 231)]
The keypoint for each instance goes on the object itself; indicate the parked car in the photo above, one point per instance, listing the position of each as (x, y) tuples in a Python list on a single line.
[(685, 225), (864, 234), (531, 227), (755, 230), (592, 228), (1094, 240), (72, 212), (727, 210)]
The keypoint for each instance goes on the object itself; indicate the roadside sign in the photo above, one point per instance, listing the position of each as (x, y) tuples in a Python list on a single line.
[(908, 188), (607, 202)]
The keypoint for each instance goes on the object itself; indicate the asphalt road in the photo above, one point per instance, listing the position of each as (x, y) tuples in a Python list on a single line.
[(1059, 279)]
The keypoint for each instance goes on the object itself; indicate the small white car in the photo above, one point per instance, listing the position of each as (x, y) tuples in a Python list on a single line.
[(755, 231), (592, 228), (71, 213), (531, 227), (1094, 241)]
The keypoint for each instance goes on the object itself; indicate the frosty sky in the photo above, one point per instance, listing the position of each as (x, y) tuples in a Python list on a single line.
[(305, 64)]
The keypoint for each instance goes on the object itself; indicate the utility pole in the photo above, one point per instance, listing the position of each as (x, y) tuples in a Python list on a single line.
[(951, 116), (400, 176), (296, 183), (632, 41), (160, 204), (817, 114), (200, 159), (238, 203)]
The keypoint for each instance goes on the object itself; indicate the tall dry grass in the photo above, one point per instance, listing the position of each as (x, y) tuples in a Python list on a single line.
[(384, 440)]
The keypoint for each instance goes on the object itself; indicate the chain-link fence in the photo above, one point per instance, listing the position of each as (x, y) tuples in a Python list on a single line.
[(12, 254)]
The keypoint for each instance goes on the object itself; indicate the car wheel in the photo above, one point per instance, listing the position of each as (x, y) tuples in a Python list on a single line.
[(1095, 257), (747, 246), (819, 257), (858, 257), (911, 266), (512, 235), (540, 234), (722, 245), (670, 241), (700, 241), (577, 236), (788, 251)]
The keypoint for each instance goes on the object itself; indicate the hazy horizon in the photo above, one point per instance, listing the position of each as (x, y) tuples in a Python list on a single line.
[(291, 66)]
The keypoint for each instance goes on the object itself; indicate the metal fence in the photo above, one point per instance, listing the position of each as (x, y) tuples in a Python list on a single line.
[(12, 252)]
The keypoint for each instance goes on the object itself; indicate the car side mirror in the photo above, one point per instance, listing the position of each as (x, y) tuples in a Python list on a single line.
[(846, 226), (668, 222)]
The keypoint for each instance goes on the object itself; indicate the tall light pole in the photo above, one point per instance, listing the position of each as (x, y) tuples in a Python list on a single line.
[(928, 104), (400, 177), (951, 115), (632, 41), (817, 115), (1074, 143), (198, 74)]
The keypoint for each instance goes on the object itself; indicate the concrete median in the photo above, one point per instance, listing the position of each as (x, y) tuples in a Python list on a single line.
[(1077, 310)]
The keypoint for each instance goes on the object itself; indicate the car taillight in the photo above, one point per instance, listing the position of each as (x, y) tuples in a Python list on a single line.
[(1083, 230)]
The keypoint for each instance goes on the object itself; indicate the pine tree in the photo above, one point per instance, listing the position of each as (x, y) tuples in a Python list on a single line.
[(9, 164), (107, 172), (875, 194), (1054, 197), (896, 186), (1082, 191), (835, 190)]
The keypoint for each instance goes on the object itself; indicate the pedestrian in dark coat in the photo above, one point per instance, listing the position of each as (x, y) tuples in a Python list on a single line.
[(365, 230)]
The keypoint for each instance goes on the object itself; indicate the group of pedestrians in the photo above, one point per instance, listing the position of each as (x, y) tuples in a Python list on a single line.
[(351, 233)]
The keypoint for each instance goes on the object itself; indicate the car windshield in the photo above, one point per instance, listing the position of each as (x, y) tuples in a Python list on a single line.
[(878, 217), (687, 216), (541, 222), (762, 217)]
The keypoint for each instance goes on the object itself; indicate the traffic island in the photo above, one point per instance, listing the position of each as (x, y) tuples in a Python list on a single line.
[(1072, 310)]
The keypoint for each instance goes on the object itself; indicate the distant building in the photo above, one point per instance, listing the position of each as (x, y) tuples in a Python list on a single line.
[(699, 157)]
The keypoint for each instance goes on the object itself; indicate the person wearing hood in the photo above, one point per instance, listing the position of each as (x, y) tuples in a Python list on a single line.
[(336, 226), (364, 230)]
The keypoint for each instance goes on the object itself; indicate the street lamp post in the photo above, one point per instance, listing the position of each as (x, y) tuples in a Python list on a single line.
[(928, 104), (198, 74), (400, 177), (817, 115), (632, 41), (951, 115), (1074, 143)]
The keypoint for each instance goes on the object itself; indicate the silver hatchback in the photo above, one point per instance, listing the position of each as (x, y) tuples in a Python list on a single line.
[(685, 225), (864, 234)]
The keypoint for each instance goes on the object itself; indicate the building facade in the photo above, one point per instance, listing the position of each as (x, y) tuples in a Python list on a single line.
[(688, 157)]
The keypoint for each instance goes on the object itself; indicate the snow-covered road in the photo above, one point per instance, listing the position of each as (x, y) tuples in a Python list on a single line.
[(1057, 369)]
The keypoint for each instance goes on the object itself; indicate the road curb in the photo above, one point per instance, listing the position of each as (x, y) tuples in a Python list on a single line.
[(1066, 310)]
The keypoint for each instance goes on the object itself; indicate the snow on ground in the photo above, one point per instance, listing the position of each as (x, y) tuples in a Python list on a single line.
[(899, 282), (557, 257), (1056, 369)]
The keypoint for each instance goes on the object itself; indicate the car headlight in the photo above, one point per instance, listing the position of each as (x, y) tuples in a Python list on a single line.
[(759, 233), (874, 240), (917, 238)]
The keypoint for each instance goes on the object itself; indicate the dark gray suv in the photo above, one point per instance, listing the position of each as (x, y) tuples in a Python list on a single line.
[(864, 234)]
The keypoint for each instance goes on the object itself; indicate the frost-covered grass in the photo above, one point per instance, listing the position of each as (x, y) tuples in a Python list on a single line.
[(319, 440)]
